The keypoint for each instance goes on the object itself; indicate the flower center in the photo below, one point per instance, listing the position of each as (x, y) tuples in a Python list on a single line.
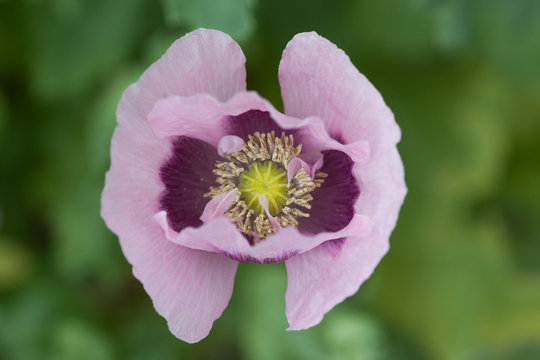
[(265, 178), (260, 168)]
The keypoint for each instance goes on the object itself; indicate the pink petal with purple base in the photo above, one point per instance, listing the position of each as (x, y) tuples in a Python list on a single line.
[(318, 79), (221, 235), (203, 117), (218, 205), (314, 137), (189, 288)]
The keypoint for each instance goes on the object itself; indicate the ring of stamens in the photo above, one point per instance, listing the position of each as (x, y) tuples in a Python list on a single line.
[(260, 167)]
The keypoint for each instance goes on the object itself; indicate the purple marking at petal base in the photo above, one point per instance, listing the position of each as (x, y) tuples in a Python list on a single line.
[(332, 207), (270, 260), (251, 121), (187, 176), (334, 246), (339, 138)]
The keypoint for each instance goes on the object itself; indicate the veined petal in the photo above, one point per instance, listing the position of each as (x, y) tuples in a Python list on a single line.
[(327, 275), (318, 80), (202, 61), (201, 116), (221, 235), (315, 138), (189, 288), (157, 263), (217, 206)]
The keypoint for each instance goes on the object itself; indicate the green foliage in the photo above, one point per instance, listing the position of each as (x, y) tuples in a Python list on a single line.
[(231, 16), (461, 279), (76, 43)]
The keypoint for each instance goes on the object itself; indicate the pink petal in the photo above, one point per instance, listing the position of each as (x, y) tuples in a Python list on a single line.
[(229, 144), (264, 203), (323, 277), (221, 235), (189, 288), (319, 163), (315, 138), (218, 205), (203, 117), (200, 116), (318, 79), (296, 164), (202, 61)]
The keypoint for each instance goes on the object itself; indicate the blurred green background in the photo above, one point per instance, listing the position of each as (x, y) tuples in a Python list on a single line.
[(462, 279)]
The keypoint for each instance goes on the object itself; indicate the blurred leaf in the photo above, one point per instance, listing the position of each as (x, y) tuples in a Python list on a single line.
[(449, 265), (452, 24), (157, 45), (233, 17), (16, 263), (102, 118), (77, 43), (27, 320), (262, 320), (13, 39), (382, 23), (3, 121), (143, 334), (527, 350), (84, 247), (73, 339), (352, 335), (507, 32)]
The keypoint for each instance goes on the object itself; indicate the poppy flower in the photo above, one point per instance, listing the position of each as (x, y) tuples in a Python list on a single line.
[(205, 174)]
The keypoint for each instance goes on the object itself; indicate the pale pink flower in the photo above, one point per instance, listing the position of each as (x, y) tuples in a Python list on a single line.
[(327, 210)]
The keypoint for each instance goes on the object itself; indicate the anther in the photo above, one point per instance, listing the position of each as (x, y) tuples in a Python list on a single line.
[(260, 168)]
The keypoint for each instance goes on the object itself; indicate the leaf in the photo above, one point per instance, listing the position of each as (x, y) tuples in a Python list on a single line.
[(75, 44), (233, 17)]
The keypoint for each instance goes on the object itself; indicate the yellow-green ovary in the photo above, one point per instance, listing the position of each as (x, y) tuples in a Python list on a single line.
[(266, 178)]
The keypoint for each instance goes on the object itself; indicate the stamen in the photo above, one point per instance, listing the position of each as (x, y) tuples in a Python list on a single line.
[(260, 168)]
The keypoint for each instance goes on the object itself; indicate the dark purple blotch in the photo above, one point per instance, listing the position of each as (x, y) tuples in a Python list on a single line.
[(332, 207), (252, 121), (187, 176)]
